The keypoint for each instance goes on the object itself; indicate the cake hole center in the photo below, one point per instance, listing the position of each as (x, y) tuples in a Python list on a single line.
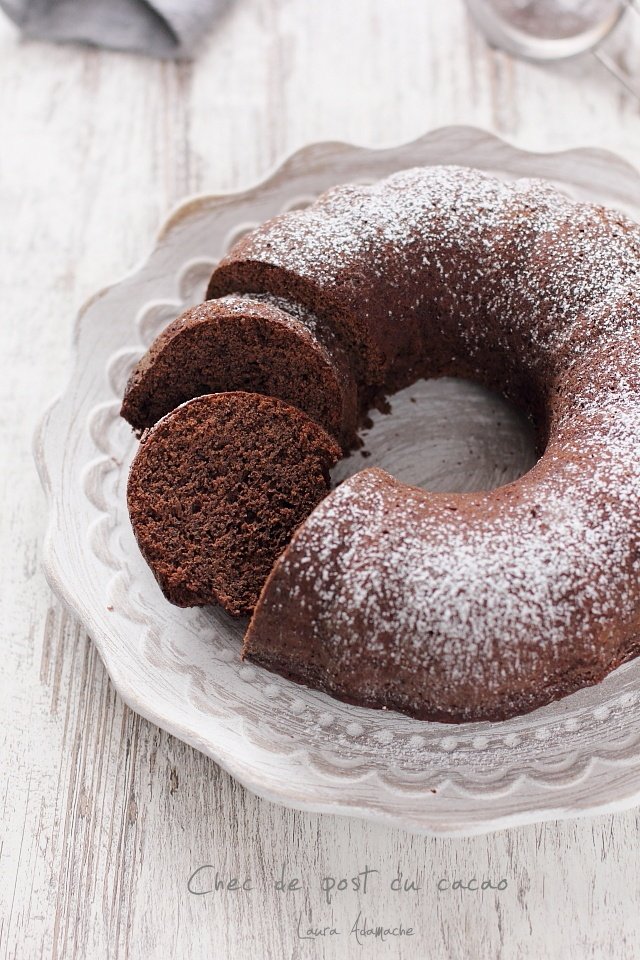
[(446, 435)]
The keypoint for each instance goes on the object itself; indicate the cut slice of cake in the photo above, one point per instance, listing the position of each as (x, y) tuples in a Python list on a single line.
[(240, 343), (216, 490)]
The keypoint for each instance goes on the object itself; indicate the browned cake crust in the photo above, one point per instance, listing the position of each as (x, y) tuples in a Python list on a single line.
[(237, 343), (475, 606), (216, 490)]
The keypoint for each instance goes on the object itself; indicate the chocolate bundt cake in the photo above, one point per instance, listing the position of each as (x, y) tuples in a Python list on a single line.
[(262, 345), (463, 606), (216, 489)]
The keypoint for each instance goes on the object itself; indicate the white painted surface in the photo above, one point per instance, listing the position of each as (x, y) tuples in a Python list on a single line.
[(104, 816)]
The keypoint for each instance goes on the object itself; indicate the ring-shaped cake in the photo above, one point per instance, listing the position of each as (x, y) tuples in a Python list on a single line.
[(463, 606)]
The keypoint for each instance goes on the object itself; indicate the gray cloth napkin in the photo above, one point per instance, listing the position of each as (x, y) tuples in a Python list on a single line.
[(160, 28)]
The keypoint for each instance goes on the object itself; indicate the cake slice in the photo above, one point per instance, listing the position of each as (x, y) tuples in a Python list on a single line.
[(261, 345), (216, 490)]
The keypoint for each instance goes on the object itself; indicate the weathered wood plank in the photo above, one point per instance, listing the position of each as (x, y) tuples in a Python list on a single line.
[(104, 817)]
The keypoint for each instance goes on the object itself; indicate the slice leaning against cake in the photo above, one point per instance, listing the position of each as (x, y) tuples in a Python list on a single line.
[(217, 488), (257, 344)]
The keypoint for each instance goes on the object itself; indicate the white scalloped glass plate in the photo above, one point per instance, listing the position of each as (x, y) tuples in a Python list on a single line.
[(181, 668)]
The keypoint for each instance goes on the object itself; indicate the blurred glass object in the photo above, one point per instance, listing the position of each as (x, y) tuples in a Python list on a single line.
[(547, 30)]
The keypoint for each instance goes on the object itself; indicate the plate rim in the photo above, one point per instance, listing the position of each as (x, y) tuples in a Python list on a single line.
[(71, 595)]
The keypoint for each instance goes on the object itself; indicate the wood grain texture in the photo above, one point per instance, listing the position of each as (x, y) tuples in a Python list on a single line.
[(104, 817)]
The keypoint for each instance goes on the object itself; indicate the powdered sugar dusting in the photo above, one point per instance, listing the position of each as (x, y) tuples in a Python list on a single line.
[(487, 596), (285, 304), (491, 591), (520, 254)]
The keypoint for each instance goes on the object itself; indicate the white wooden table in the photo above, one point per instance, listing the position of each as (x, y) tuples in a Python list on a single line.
[(105, 817)]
